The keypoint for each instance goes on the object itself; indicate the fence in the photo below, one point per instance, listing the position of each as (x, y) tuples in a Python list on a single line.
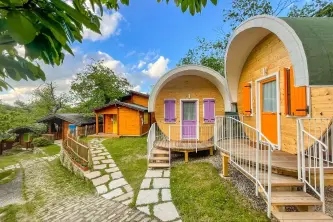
[(314, 148), (78, 150), (249, 150), (86, 130)]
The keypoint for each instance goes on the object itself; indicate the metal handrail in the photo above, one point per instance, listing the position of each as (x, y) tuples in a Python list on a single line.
[(241, 137)]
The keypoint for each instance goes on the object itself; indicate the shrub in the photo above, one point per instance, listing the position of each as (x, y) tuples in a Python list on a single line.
[(41, 141)]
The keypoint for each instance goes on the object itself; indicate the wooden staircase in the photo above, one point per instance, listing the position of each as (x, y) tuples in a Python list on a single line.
[(159, 158), (288, 191)]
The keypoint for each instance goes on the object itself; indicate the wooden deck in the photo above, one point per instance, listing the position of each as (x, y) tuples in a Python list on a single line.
[(104, 135), (181, 146), (282, 162)]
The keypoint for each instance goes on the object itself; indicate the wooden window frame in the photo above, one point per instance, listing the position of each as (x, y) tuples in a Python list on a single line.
[(145, 118)]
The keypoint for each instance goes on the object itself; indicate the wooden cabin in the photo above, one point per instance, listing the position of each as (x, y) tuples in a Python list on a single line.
[(280, 70), (58, 124), (280, 74), (185, 102), (127, 117), (24, 136)]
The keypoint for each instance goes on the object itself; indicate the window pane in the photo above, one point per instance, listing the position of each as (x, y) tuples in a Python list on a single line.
[(189, 110), (269, 96)]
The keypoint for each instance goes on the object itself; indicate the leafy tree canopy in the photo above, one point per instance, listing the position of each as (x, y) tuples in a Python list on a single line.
[(96, 86), (47, 28)]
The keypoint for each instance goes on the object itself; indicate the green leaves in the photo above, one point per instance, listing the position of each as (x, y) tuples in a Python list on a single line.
[(194, 6), (20, 28)]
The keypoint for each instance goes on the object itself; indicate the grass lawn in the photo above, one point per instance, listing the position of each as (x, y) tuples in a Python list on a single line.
[(7, 176), (86, 139), (201, 195), (15, 156), (51, 149), (130, 156)]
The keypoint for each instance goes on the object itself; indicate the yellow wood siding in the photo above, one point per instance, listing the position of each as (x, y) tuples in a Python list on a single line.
[(272, 54), (184, 87)]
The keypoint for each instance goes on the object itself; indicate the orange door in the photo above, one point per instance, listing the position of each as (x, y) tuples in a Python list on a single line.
[(108, 123), (269, 109)]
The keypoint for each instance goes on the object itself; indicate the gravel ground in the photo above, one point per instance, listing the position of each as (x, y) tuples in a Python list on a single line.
[(11, 193)]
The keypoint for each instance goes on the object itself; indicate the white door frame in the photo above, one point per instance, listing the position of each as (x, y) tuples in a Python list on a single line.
[(278, 108), (181, 116)]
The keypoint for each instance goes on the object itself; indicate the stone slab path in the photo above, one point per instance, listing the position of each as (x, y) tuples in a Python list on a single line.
[(60, 207), (154, 197), (106, 176)]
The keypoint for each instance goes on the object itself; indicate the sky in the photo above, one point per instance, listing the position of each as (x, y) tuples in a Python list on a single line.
[(141, 42)]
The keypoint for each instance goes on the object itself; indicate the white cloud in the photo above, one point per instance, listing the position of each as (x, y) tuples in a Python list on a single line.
[(157, 68), (109, 26), (130, 53), (137, 88), (141, 64), (116, 65), (20, 50)]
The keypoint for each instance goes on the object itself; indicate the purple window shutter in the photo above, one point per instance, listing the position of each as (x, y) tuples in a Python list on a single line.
[(209, 105), (169, 111), (172, 104), (206, 108), (211, 110)]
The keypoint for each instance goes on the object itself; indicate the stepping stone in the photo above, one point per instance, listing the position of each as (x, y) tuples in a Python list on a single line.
[(101, 189), (96, 151), (92, 175), (145, 183), (103, 154), (154, 173), (99, 167), (166, 195), (107, 161), (166, 173), (128, 188), (98, 158), (113, 194), (96, 162), (116, 175), (112, 165), (100, 180), (111, 170), (147, 197), (166, 211), (117, 183), (109, 156), (161, 183), (124, 197), (144, 209)]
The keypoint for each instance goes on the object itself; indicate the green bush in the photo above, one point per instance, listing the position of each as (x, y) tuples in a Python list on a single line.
[(41, 142)]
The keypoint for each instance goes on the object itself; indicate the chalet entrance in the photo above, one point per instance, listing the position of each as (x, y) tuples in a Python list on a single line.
[(189, 119), (269, 107)]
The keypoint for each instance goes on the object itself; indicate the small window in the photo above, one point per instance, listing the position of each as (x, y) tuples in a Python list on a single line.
[(169, 111), (247, 99), (145, 118), (295, 97), (209, 110)]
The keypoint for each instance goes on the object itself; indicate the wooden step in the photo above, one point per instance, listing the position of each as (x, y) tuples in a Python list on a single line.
[(301, 216), (284, 181), (160, 158), (158, 165), (294, 198), (158, 151)]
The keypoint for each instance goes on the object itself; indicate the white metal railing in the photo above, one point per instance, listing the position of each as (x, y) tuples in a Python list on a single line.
[(314, 153), (249, 150), (150, 140)]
